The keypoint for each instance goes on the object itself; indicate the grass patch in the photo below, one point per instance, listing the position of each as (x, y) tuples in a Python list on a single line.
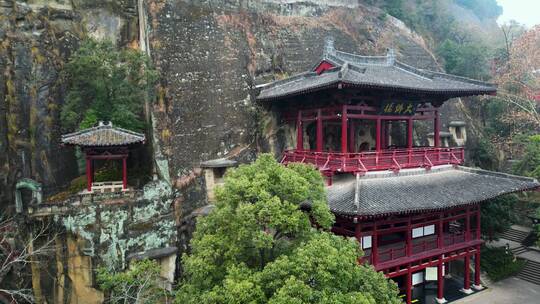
[(499, 264)]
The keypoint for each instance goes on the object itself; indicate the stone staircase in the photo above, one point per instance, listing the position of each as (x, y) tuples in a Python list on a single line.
[(514, 235), (531, 272), (519, 250)]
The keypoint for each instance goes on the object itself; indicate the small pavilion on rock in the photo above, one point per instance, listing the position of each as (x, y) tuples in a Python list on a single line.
[(104, 142), (412, 206)]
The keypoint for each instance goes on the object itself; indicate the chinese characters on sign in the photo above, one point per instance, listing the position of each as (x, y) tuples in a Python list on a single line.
[(398, 108)]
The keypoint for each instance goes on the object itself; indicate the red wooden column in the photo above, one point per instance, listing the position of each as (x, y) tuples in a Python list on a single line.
[(299, 132), (93, 169), (440, 282), (436, 130), (124, 172), (467, 275), (408, 288), (319, 147), (440, 234), (358, 235), (478, 216), (378, 129), (344, 129), (408, 244), (352, 134), (409, 133), (468, 224), (88, 174), (477, 283), (374, 247)]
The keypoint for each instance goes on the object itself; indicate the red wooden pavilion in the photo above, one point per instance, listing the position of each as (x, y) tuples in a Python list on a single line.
[(411, 206), (104, 142)]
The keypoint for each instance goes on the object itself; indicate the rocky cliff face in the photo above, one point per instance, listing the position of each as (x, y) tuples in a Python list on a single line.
[(37, 38), (210, 54)]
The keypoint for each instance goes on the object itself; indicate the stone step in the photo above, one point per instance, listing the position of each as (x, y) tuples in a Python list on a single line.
[(519, 250), (514, 235), (531, 272)]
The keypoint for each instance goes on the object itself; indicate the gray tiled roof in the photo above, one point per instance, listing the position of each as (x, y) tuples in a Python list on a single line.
[(415, 190), (374, 72), (103, 135)]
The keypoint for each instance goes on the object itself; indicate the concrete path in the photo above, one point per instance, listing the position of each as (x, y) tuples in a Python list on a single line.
[(507, 291)]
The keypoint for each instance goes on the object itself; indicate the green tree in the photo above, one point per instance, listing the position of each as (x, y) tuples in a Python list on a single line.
[(140, 284), (469, 59), (259, 246), (530, 163), (497, 215), (106, 84)]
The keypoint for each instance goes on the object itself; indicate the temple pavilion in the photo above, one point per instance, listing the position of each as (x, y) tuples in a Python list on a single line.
[(412, 206), (104, 142)]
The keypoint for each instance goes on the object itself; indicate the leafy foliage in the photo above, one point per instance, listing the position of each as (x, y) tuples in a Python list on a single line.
[(258, 246), (468, 59), (530, 163), (499, 264), (141, 283), (483, 154), (498, 215), (106, 84)]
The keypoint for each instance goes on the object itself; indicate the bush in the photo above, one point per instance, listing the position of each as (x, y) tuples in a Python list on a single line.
[(499, 264)]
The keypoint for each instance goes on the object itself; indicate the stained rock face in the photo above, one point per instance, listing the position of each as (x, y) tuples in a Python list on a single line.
[(210, 55), (37, 38)]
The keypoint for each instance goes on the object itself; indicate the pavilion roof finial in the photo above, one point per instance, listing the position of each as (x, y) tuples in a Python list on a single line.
[(105, 123), (329, 46)]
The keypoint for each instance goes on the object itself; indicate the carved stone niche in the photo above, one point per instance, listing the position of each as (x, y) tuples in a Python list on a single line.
[(214, 171), (34, 187)]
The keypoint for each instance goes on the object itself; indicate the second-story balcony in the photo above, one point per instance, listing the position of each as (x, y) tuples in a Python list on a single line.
[(361, 138), (394, 159)]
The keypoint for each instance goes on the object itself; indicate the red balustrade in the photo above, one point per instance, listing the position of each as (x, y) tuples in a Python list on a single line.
[(419, 246), (451, 239), (424, 245), (394, 159), (392, 254)]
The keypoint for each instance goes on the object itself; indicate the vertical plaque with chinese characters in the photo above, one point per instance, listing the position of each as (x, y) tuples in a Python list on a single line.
[(399, 108)]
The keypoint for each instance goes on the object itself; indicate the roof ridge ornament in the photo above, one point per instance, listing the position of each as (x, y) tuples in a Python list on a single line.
[(102, 123), (390, 56), (329, 48), (356, 192)]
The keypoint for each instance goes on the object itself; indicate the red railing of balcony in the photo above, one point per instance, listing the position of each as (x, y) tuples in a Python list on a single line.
[(451, 239), (394, 159), (424, 245), (419, 246), (392, 254)]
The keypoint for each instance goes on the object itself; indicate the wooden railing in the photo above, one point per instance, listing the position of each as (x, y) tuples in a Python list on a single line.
[(392, 253), (424, 245), (419, 246), (394, 159)]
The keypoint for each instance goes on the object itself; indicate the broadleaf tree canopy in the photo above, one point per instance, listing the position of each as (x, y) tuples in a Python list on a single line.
[(259, 246)]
